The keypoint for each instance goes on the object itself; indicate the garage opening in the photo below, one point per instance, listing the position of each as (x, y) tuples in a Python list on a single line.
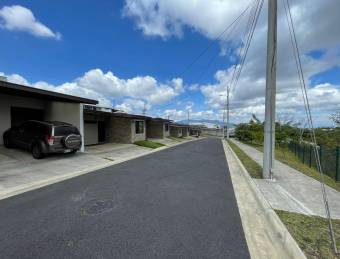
[(20, 115)]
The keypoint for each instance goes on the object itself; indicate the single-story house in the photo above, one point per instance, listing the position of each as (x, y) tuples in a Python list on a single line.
[(179, 130), (106, 125), (158, 128), (127, 128), (19, 103), (195, 131)]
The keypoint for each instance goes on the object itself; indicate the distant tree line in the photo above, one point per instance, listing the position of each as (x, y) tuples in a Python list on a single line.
[(288, 131)]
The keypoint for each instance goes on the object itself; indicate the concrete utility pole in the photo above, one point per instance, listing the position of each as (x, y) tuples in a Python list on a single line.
[(144, 109), (269, 123), (188, 117), (228, 113)]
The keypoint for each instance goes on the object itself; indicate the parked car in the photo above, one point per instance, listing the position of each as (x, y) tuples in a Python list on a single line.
[(44, 137)]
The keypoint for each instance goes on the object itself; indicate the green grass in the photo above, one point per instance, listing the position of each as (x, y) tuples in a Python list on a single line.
[(148, 144), (176, 139), (311, 234), (253, 168), (287, 157)]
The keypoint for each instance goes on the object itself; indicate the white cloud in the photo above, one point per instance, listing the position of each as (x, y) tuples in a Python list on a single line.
[(106, 87), (133, 106), (316, 24), (146, 87), (19, 18), (178, 115), (165, 18)]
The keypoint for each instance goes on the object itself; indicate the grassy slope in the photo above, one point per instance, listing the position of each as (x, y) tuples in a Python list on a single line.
[(311, 233), (148, 143), (286, 156), (253, 168)]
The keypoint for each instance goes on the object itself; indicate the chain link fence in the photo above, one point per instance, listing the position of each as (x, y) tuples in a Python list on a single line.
[(329, 158)]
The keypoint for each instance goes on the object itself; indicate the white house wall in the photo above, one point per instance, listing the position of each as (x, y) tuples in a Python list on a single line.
[(67, 112)]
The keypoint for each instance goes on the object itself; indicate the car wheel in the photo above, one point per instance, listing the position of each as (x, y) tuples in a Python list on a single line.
[(36, 152), (7, 142)]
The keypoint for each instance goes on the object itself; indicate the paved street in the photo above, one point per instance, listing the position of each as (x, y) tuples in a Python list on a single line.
[(176, 203)]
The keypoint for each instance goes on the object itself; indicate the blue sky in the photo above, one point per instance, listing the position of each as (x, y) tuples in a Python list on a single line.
[(127, 53)]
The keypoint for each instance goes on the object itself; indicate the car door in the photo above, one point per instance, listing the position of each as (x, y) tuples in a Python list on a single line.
[(28, 134), (16, 135)]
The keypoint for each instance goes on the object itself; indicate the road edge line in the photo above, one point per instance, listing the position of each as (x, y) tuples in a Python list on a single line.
[(278, 229)]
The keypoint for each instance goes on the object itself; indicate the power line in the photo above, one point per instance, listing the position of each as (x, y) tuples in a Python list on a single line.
[(214, 40), (231, 26), (297, 57)]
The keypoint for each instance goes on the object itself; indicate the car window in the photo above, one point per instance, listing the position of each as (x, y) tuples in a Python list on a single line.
[(65, 130)]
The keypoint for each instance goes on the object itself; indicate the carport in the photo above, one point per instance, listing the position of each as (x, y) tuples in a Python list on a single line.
[(97, 121), (19, 103)]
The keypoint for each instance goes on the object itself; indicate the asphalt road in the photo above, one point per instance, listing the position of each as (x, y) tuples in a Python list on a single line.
[(176, 203)]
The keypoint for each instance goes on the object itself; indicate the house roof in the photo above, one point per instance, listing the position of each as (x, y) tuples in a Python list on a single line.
[(28, 91), (179, 125), (131, 116), (160, 120)]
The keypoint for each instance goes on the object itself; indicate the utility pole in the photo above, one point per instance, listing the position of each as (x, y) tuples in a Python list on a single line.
[(144, 109), (223, 131), (188, 117), (269, 123), (227, 113)]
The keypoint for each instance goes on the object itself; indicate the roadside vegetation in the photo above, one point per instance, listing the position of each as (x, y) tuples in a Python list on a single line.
[(311, 234), (148, 144), (252, 134), (176, 139), (253, 168)]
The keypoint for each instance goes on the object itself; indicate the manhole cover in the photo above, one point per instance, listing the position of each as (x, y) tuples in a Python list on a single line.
[(96, 207)]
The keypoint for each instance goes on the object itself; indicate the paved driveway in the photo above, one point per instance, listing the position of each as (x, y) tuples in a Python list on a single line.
[(176, 203)]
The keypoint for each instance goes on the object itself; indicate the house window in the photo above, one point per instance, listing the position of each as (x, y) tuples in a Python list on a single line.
[(166, 127), (139, 127)]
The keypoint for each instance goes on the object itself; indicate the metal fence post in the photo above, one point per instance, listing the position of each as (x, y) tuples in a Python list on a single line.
[(337, 173), (320, 155), (310, 155), (303, 154)]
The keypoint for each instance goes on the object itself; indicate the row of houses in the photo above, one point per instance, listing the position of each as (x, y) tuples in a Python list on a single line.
[(19, 103)]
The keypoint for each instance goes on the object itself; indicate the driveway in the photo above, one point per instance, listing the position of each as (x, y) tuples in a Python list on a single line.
[(176, 203)]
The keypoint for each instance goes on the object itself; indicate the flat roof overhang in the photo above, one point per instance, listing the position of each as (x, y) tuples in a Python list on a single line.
[(179, 126), (130, 116), (28, 91), (160, 120)]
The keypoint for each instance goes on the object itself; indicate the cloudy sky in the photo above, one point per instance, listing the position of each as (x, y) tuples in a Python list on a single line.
[(139, 53)]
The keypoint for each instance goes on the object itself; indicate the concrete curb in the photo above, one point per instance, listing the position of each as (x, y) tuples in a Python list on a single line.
[(39, 184), (279, 232)]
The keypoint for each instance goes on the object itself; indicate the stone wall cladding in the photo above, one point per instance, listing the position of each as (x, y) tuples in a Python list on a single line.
[(175, 132), (155, 129), (120, 130)]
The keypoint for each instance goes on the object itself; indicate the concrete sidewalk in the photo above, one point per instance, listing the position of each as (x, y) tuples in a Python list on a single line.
[(292, 190)]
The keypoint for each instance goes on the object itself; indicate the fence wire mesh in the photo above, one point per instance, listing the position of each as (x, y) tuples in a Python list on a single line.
[(329, 158)]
